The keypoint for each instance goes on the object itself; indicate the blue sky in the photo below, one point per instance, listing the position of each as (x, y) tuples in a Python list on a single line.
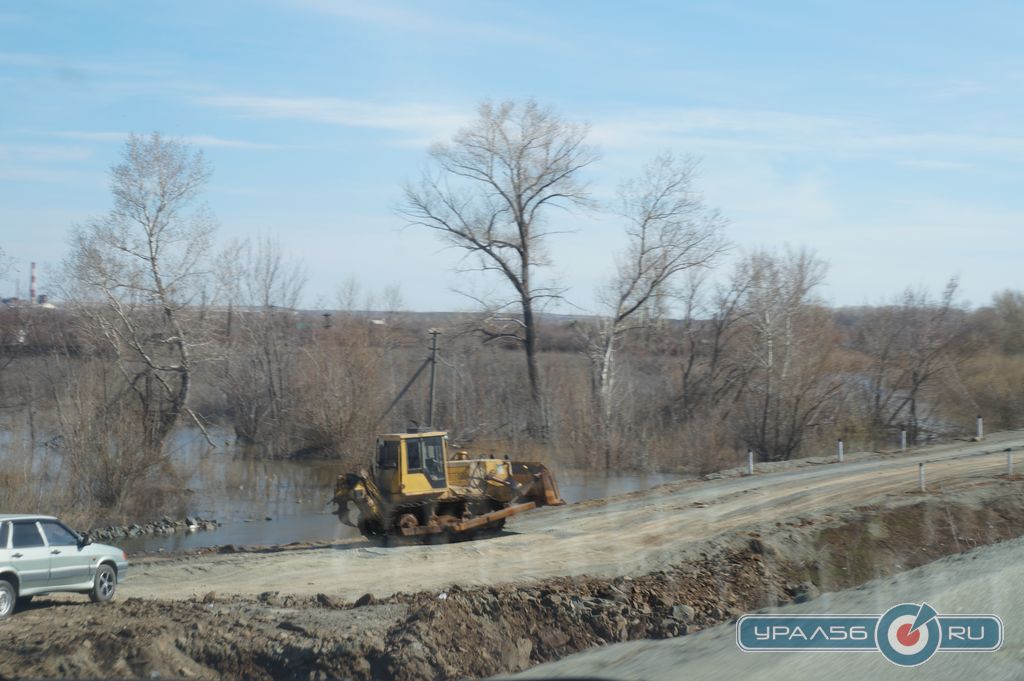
[(884, 136)]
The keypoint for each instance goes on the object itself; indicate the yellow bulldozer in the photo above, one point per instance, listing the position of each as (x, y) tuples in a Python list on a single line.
[(417, 487)]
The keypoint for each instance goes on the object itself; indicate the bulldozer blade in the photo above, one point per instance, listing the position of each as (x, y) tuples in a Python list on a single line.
[(538, 484), (343, 516)]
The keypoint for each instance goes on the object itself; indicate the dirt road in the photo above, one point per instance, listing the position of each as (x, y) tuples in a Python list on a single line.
[(629, 535)]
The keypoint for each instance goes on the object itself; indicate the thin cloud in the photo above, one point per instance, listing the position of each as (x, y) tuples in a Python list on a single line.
[(195, 140), (421, 120), (81, 67), (44, 153), (716, 127), (393, 17), (953, 166), (751, 130), (221, 142)]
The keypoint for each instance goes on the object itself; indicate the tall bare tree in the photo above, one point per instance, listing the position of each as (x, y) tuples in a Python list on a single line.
[(669, 231), (263, 289), (790, 347), (909, 345), (138, 276), (490, 192)]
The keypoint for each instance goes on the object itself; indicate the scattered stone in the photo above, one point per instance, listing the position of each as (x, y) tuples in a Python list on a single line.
[(515, 655), (683, 613), (269, 597), (292, 626), (554, 638), (365, 599), (805, 591)]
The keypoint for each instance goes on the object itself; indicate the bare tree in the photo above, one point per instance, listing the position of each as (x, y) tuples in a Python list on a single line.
[(711, 333), (669, 231), (1001, 324), (909, 345), (138, 276), (263, 289), (490, 193), (789, 346)]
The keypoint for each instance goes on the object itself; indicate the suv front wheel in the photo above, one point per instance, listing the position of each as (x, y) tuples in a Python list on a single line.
[(104, 584), (7, 598)]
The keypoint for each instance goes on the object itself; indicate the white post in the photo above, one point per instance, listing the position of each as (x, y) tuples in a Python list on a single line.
[(920, 475), (981, 428), (903, 440), (839, 449), (750, 462), (1009, 462)]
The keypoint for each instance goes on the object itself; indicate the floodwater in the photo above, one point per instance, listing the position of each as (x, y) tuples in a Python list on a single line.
[(277, 502)]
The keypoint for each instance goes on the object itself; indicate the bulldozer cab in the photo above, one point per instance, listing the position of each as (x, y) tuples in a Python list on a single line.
[(411, 464)]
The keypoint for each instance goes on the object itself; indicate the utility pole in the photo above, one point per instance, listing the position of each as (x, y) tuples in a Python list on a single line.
[(432, 362), (433, 372)]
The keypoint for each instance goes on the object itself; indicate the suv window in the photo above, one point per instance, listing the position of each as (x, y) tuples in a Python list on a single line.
[(26, 535), (4, 531), (58, 535)]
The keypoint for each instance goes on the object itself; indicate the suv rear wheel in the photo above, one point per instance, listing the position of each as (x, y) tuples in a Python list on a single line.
[(8, 597)]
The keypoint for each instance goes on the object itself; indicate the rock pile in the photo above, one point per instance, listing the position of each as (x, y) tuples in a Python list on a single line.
[(163, 526)]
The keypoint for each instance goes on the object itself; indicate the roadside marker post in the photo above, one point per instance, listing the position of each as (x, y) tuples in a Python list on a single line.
[(981, 428), (903, 440), (1009, 462), (839, 449), (920, 476), (750, 462)]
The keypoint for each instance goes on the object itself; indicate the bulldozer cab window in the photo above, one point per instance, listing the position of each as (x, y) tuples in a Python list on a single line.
[(433, 461), (387, 455), (414, 458)]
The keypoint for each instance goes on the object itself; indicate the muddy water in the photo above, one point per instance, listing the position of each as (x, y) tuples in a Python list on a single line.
[(277, 502)]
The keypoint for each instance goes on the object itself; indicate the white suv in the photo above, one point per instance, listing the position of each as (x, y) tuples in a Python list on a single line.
[(39, 554)]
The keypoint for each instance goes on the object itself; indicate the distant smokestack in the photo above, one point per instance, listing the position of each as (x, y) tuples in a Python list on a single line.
[(32, 285)]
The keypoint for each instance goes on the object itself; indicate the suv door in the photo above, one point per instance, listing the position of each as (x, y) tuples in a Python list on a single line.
[(68, 563), (29, 554)]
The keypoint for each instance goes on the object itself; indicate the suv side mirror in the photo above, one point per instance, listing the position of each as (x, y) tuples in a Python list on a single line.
[(84, 540)]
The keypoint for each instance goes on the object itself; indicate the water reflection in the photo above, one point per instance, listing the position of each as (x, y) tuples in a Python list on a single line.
[(242, 493)]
